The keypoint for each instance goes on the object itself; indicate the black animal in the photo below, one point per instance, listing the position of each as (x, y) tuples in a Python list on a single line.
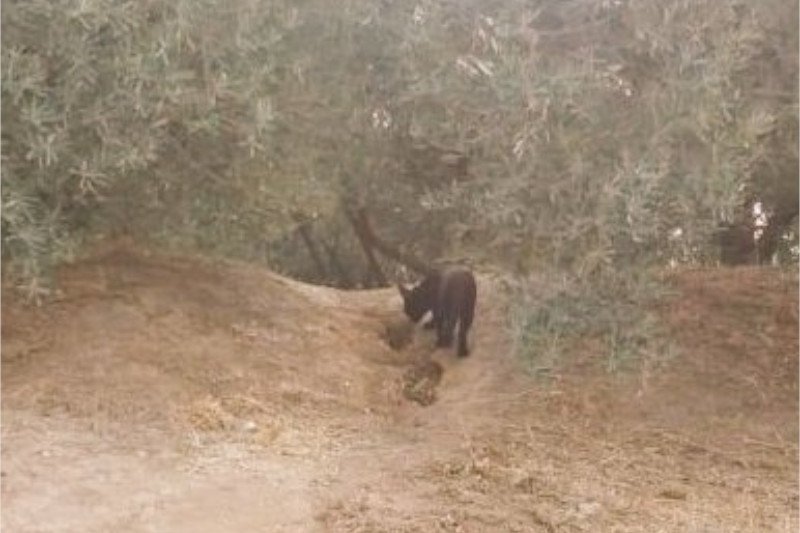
[(450, 295)]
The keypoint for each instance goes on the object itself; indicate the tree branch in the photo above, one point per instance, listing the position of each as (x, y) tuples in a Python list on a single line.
[(364, 238), (361, 223), (303, 228)]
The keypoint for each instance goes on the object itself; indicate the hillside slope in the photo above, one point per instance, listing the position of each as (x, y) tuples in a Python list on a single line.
[(165, 393)]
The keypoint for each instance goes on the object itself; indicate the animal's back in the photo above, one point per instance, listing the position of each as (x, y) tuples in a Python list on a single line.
[(457, 289)]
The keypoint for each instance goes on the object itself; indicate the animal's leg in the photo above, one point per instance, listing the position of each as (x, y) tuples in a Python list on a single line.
[(465, 322), (440, 334), (447, 325), (438, 322), (463, 349), (435, 320)]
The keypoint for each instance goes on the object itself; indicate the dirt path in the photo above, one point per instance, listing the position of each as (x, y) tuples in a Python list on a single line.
[(174, 394)]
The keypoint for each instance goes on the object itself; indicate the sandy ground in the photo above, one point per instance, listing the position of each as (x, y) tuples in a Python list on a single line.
[(162, 393)]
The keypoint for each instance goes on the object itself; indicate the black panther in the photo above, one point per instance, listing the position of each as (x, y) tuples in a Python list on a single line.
[(450, 294)]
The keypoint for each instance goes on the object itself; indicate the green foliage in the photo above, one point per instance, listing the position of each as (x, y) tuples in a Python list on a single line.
[(620, 146), (617, 310), (135, 117), (575, 135)]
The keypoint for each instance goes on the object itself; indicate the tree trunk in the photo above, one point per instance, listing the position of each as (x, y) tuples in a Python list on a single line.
[(304, 229), (363, 237), (363, 228), (345, 281)]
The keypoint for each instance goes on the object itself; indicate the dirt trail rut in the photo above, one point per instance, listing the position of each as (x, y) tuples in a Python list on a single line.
[(163, 393)]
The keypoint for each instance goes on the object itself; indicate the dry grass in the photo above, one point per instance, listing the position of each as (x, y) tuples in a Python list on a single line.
[(198, 372)]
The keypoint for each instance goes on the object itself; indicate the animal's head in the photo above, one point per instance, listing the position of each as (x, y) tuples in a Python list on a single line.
[(414, 302)]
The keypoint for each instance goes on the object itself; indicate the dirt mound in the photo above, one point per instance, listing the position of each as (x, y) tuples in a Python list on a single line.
[(737, 330), (174, 393), (168, 342)]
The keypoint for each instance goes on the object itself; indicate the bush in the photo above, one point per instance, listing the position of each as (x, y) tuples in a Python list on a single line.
[(616, 314), (577, 135)]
